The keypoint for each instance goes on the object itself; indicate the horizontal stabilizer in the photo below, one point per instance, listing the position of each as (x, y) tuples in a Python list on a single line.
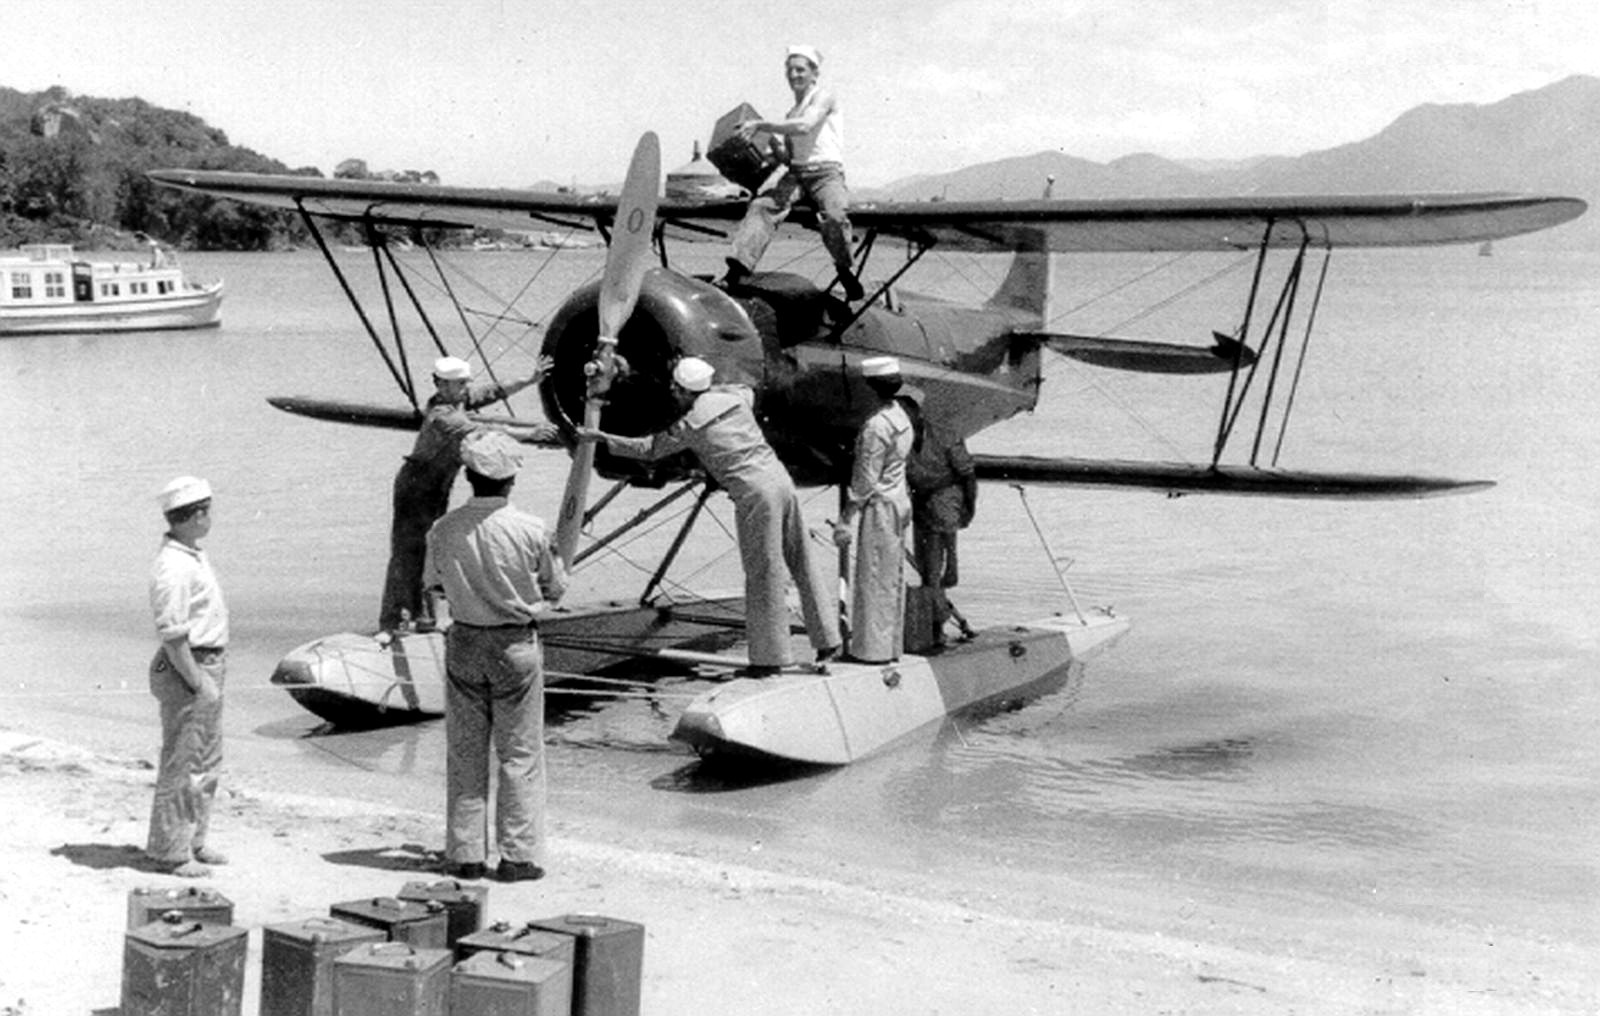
[(534, 432), (1223, 355), (1185, 478)]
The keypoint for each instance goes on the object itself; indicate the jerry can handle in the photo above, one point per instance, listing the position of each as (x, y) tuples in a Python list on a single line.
[(393, 947)]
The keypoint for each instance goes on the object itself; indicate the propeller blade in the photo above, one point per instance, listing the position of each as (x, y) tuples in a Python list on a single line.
[(627, 259)]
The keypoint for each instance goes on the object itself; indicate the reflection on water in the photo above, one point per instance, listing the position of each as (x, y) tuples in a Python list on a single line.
[(725, 774)]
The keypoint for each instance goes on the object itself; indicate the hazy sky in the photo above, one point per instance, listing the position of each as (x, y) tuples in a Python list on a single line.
[(506, 92)]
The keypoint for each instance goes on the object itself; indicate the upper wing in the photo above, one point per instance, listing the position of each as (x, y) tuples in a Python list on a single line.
[(1220, 224), (415, 204), (1168, 224)]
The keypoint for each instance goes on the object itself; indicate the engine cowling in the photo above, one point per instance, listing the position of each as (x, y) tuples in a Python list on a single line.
[(676, 315)]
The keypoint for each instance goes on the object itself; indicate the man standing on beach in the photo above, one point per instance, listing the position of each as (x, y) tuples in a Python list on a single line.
[(498, 570), (186, 677), (422, 486)]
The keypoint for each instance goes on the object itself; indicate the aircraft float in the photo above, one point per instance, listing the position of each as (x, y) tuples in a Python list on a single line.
[(799, 347)]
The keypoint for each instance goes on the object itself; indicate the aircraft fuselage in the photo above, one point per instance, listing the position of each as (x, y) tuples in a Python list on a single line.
[(800, 351)]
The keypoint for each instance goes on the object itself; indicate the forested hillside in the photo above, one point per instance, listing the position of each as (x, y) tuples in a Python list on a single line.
[(72, 169)]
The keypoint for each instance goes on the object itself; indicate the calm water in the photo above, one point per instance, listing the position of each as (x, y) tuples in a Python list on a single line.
[(1367, 711)]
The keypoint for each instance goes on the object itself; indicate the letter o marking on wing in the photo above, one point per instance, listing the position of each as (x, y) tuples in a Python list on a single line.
[(635, 220)]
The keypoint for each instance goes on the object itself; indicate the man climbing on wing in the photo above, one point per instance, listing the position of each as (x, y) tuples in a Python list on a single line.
[(814, 133)]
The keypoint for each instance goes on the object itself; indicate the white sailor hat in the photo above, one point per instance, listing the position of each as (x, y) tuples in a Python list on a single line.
[(452, 368), (808, 52), (491, 453), (693, 373), (185, 490), (880, 366)]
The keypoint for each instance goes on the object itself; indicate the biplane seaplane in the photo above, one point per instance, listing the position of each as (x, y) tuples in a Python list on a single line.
[(799, 347)]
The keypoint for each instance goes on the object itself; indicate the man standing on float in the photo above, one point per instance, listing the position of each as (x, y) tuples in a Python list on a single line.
[(719, 425), (879, 500)]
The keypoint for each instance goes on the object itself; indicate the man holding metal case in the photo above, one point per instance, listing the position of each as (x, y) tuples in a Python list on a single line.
[(813, 131)]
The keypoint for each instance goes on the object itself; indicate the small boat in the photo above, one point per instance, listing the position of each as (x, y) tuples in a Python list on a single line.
[(47, 289)]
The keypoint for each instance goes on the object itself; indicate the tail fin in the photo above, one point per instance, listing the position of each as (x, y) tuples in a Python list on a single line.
[(1027, 285)]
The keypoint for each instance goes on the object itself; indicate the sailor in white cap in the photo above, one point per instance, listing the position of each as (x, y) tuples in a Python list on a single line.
[(497, 568), (879, 503), (814, 132), (718, 424), (186, 678), (422, 485), (944, 498)]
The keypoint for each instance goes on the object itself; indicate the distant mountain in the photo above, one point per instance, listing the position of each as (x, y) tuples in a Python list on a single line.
[(1544, 141)]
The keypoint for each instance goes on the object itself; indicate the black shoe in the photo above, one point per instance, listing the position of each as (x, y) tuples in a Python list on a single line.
[(469, 871), (736, 276), (828, 654), (519, 871), (852, 287), (758, 670)]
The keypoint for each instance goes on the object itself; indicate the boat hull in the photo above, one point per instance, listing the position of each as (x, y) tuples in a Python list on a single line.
[(855, 710), (200, 308)]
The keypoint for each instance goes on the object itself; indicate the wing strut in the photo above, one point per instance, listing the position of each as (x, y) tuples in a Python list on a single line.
[(1305, 348), (671, 555), (401, 372), (1277, 327), (461, 315)]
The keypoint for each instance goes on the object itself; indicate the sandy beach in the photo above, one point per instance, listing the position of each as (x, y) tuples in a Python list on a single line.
[(724, 933)]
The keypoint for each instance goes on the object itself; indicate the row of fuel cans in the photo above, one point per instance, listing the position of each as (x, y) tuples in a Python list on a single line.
[(424, 952)]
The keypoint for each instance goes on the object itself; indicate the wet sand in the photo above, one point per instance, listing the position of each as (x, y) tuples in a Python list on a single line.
[(729, 928)]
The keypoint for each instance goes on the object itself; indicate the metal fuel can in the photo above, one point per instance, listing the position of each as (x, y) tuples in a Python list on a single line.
[(465, 904), (178, 966), (148, 903), (391, 979), (503, 936), (510, 984), (424, 925), (297, 963), (608, 966)]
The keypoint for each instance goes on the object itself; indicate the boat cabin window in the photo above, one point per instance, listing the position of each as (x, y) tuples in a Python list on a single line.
[(55, 285), (110, 289), (21, 285)]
